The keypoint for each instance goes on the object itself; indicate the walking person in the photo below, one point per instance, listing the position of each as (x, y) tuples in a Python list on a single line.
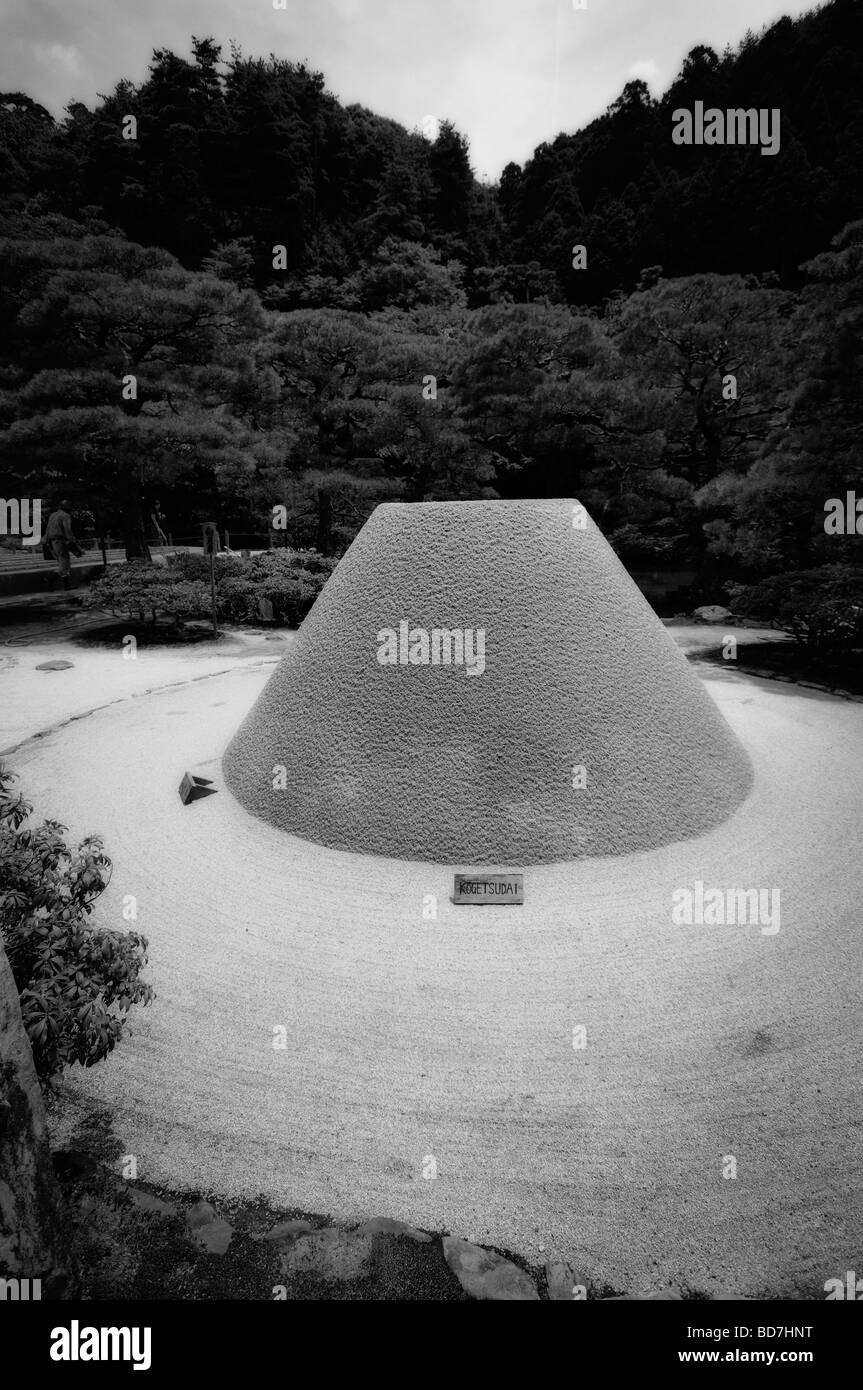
[(156, 520), (59, 542)]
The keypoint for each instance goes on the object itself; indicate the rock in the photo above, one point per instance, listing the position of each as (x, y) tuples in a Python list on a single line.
[(486, 1275), (730, 1298), (55, 666), (31, 1207), (712, 613), (665, 1297), (560, 1280), (286, 1231), (329, 1254), (145, 1201), (386, 1226), (160, 561), (208, 1228)]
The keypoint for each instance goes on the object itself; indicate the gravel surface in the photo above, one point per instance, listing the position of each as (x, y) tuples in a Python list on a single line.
[(419, 1043)]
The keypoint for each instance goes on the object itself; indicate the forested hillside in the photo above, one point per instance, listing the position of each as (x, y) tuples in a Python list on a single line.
[(250, 152), (423, 335)]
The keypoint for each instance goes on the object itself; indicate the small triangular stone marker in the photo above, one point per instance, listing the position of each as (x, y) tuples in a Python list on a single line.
[(193, 788)]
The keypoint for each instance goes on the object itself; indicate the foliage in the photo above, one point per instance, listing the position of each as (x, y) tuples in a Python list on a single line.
[(145, 591), (428, 337), (621, 186), (123, 368), (822, 608), (236, 144), (288, 580), (76, 982)]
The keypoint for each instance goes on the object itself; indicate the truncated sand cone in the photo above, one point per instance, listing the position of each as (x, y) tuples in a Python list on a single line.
[(483, 683)]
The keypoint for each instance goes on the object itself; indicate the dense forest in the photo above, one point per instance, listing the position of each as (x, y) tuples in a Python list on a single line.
[(225, 290)]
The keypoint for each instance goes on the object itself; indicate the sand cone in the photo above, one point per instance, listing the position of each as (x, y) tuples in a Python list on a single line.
[(565, 724)]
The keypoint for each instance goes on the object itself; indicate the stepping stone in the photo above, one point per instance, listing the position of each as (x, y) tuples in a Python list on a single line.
[(386, 1226), (145, 1201), (486, 1275), (560, 1280), (55, 666), (329, 1254), (208, 1228)]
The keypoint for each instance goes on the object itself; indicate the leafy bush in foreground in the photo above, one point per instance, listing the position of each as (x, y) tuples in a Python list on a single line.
[(822, 608), (77, 983)]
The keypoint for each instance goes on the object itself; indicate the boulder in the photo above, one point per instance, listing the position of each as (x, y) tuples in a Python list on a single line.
[(286, 1231), (486, 1275), (712, 613), (146, 1201), (329, 1254), (208, 1229), (30, 1201), (386, 1226), (560, 1281)]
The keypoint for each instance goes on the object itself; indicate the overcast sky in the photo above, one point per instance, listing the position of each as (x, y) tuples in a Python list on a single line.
[(508, 73)]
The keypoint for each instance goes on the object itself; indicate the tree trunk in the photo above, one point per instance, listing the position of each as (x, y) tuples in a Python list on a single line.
[(134, 530), (31, 1235), (325, 522)]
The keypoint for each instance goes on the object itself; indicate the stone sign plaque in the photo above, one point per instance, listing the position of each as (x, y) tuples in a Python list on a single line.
[(481, 890)]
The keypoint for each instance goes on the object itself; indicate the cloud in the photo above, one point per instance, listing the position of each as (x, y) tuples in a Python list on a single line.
[(645, 68), (60, 58), (508, 73)]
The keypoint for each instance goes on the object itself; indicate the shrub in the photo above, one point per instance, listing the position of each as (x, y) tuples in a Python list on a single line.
[(144, 591), (822, 608), (197, 567), (290, 580), (77, 983)]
